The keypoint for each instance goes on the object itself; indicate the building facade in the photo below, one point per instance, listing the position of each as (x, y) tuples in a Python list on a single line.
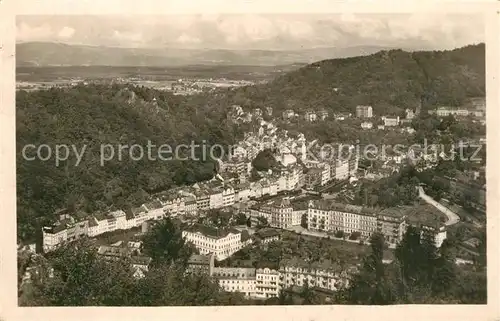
[(364, 111), (222, 243)]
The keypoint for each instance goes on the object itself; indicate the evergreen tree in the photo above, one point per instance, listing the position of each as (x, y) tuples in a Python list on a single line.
[(370, 285), (165, 244)]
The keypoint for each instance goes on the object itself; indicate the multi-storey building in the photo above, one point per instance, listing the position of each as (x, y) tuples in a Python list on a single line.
[(318, 173), (242, 192), (324, 275), (364, 111), (353, 164), (222, 243), (444, 111), (310, 116), (391, 121), (332, 216), (312, 177), (436, 233), (191, 205), (173, 204), (228, 196), (267, 283), (279, 214), (236, 280), (202, 201), (265, 236), (237, 165), (216, 198), (155, 210), (54, 236), (391, 223), (341, 169), (201, 264)]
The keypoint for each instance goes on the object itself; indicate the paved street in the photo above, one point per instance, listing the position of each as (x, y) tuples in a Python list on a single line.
[(453, 218)]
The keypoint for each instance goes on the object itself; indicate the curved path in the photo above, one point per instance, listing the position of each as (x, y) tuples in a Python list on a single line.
[(453, 218)]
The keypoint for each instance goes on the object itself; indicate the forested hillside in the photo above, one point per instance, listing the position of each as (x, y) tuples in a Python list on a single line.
[(390, 81), (94, 115)]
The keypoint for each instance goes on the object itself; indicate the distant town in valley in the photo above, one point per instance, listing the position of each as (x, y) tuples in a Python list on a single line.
[(335, 175)]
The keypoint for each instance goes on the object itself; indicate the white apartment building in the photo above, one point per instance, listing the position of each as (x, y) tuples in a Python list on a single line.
[(98, 224), (223, 243), (315, 275), (121, 219), (53, 236), (332, 216), (202, 201), (444, 111), (155, 210), (267, 283), (172, 204), (190, 205), (364, 111), (341, 169), (236, 280), (325, 174), (437, 233), (140, 214), (242, 192), (228, 196), (216, 199), (279, 214), (391, 121)]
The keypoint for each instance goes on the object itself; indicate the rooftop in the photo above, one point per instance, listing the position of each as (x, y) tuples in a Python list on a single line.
[(212, 232), (153, 205), (397, 212), (234, 273), (141, 260), (199, 259), (324, 265), (425, 214), (332, 205), (267, 233)]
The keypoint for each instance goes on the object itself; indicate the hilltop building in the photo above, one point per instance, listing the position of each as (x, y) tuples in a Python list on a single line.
[(364, 111)]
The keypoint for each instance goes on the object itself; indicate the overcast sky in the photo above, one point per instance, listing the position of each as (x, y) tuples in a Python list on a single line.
[(240, 31)]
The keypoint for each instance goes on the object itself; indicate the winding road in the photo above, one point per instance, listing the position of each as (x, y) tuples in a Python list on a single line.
[(453, 218)]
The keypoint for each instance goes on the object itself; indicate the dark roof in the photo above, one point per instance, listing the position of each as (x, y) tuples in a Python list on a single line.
[(397, 212), (199, 259), (154, 205), (141, 260), (267, 233), (324, 265), (92, 222), (332, 205), (138, 210), (212, 231), (112, 251)]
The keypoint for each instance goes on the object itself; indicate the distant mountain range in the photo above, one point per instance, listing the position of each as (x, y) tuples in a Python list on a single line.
[(59, 54)]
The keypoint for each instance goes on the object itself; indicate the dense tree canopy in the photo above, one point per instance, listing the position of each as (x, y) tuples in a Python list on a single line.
[(97, 115)]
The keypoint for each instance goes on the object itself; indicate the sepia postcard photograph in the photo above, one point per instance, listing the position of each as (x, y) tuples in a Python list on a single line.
[(252, 159)]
